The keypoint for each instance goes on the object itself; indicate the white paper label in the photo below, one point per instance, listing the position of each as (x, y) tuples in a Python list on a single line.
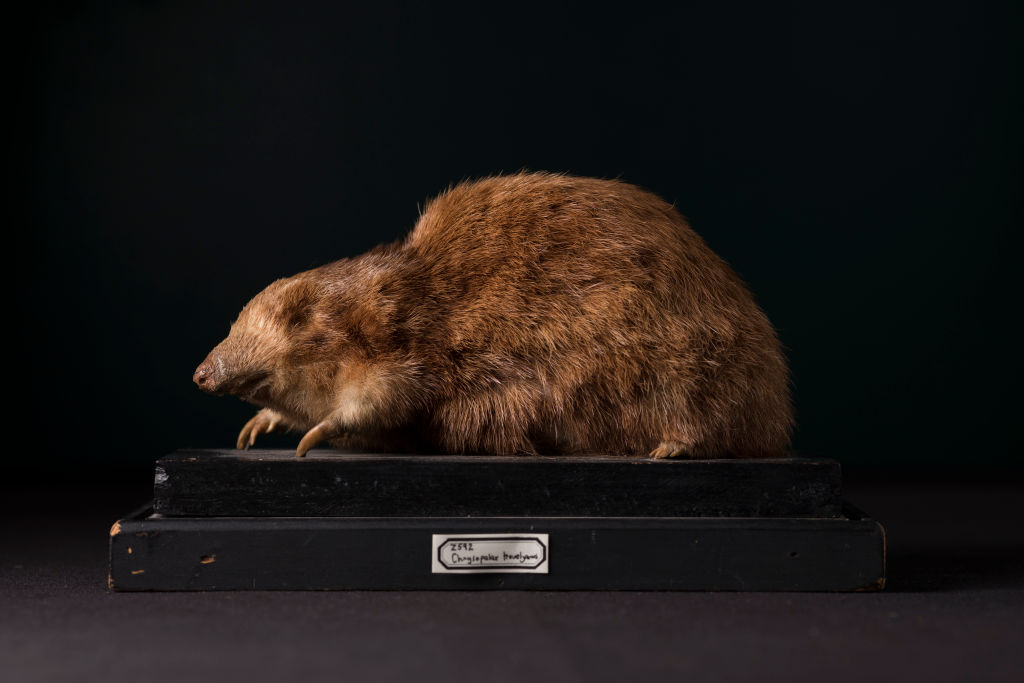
[(476, 553)]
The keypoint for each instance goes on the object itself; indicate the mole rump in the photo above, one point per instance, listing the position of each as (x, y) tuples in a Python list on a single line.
[(532, 313)]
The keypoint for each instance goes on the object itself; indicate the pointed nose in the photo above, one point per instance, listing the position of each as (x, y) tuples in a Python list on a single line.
[(206, 376)]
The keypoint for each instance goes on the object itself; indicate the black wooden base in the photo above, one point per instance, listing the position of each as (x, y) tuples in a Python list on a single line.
[(155, 553), (223, 520), (269, 483)]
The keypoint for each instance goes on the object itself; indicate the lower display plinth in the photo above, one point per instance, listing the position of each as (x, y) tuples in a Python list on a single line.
[(153, 553)]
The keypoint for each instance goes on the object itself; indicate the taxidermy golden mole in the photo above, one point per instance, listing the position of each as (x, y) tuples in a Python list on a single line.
[(530, 313)]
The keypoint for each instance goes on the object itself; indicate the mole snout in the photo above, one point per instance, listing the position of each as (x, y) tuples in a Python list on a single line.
[(208, 375)]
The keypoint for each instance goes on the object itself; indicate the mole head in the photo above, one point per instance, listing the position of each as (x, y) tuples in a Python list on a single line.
[(249, 361)]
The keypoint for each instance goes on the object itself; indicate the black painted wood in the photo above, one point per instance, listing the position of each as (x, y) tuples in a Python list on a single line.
[(150, 553), (262, 483)]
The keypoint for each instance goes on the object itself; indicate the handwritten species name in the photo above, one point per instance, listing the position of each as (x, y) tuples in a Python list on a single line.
[(492, 558)]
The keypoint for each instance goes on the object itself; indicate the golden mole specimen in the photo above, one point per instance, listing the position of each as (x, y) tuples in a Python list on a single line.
[(531, 313)]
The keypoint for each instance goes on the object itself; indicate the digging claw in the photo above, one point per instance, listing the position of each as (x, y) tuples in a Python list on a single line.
[(312, 438), (263, 422)]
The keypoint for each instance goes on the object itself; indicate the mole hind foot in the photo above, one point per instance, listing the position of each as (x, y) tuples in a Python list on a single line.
[(671, 449), (264, 422)]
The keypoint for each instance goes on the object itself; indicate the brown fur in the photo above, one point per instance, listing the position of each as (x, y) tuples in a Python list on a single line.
[(523, 314)]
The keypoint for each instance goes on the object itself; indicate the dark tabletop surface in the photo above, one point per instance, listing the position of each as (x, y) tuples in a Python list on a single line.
[(953, 610)]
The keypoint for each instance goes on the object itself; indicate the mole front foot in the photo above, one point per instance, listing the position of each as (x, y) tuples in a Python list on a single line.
[(331, 427), (311, 439), (264, 422)]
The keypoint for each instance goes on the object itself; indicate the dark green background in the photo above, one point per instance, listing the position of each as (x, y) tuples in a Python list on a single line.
[(859, 165)]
